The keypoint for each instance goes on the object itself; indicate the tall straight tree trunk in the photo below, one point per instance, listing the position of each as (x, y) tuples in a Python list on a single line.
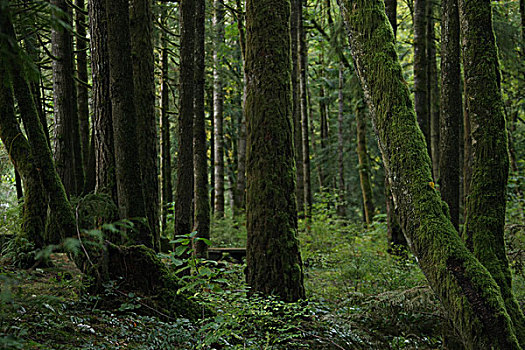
[(184, 189), (296, 7), (129, 182), (303, 82), (485, 220), (273, 260), (165, 142), (141, 26), (433, 90), (212, 152), (240, 187), (200, 159), (103, 140), (364, 165), (421, 95), (67, 135), (465, 287), (82, 88), (341, 206), (323, 113), (218, 101), (451, 109), (395, 237)]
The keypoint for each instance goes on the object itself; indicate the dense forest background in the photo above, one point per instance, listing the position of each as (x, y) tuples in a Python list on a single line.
[(180, 205)]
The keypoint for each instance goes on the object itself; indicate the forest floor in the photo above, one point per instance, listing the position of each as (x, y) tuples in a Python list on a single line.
[(359, 297)]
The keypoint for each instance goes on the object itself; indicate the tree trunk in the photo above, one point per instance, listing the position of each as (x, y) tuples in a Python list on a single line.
[(184, 189), (67, 134), (273, 260), (364, 165), (485, 220), (218, 101), (433, 91), (200, 159), (465, 287), (421, 96), (165, 142), (129, 183), (82, 88), (296, 104), (451, 109), (323, 113), (341, 206), (141, 26), (303, 82), (391, 12)]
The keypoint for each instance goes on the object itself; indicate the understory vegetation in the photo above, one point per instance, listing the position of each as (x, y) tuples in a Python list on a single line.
[(358, 297)]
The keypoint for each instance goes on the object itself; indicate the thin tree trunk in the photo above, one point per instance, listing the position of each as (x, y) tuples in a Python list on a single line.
[(433, 90), (141, 26), (303, 82), (485, 220), (212, 152), (323, 113), (341, 206), (200, 159), (273, 259), (364, 166), (296, 104), (82, 90), (184, 189), (127, 167), (451, 109), (67, 134), (218, 101), (465, 287)]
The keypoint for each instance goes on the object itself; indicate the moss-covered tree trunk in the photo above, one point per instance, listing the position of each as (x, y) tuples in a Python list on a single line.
[(273, 260), (131, 202), (451, 109), (465, 287), (433, 89), (184, 189), (141, 26), (200, 159), (485, 220), (341, 206), (364, 164)]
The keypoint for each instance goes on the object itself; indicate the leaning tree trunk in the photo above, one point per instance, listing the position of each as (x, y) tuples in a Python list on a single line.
[(485, 220), (141, 25), (273, 260), (184, 194), (451, 109), (218, 109), (129, 183), (200, 159), (465, 287)]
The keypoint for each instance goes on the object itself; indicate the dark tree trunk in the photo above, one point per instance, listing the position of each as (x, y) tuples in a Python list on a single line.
[(364, 165), (184, 194), (200, 159), (82, 89), (391, 12), (433, 91), (465, 287), (141, 25), (273, 260), (451, 109), (218, 101), (421, 95), (165, 142), (67, 133), (485, 220), (341, 206), (129, 186), (323, 113), (296, 104), (103, 140), (303, 82)]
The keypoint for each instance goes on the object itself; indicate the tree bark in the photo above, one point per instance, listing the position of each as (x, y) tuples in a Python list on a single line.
[(465, 287), (451, 109), (218, 101), (364, 166), (485, 220), (67, 134), (303, 82), (184, 189), (129, 183), (341, 206), (200, 159), (433, 91), (141, 26), (273, 260)]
